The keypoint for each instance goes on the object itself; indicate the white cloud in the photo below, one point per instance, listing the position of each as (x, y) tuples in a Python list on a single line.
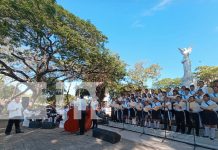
[(137, 24), (159, 6)]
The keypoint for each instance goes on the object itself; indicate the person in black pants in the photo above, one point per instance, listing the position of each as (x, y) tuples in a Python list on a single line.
[(15, 114), (15, 121), (194, 109), (82, 109)]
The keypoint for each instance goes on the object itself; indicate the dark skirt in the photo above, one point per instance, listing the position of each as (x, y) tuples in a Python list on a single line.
[(125, 112), (209, 117), (139, 113), (156, 114), (132, 113)]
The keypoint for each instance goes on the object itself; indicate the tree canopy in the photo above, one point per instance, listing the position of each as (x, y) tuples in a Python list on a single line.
[(40, 41), (140, 74), (167, 82), (206, 73)]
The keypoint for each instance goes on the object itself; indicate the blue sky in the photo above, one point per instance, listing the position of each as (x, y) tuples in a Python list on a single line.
[(152, 30)]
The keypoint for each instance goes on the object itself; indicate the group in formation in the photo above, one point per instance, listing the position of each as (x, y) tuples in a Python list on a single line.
[(187, 108)]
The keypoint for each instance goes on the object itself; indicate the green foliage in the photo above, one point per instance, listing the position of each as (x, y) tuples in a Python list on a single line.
[(207, 73), (40, 40), (167, 82), (139, 75)]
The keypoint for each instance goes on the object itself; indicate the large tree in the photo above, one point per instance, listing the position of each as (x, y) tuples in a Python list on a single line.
[(168, 82), (207, 73), (40, 41), (141, 74)]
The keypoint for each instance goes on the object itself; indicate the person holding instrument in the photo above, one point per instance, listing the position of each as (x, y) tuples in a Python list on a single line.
[(193, 109), (210, 116)]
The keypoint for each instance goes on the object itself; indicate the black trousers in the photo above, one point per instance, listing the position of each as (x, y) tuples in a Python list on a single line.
[(82, 122), (180, 121), (95, 121), (10, 125), (166, 119), (194, 122)]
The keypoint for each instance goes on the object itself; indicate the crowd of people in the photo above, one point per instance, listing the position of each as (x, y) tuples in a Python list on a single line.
[(186, 107)]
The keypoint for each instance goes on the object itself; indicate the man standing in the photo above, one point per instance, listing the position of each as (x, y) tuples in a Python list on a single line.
[(81, 103), (94, 105), (15, 114)]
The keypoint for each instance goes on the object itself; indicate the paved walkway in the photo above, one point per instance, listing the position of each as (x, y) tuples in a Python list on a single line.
[(57, 139)]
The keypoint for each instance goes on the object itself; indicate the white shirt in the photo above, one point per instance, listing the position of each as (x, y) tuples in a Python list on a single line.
[(186, 97), (94, 104), (180, 104), (81, 104), (15, 109), (192, 92), (208, 103), (155, 104), (204, 89), (195, 107), (168, 105)]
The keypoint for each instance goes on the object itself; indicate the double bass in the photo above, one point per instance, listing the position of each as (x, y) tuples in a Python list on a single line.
[(72, 123)]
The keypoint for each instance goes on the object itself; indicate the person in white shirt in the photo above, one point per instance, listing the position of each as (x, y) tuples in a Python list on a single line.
[(95, 108), (180, 107), (214, 95), (81, 105), (156, 113), (193, 109), (167, 112), (147, 114), (209, 116), (203, 87), (192, 89), (15, 114)]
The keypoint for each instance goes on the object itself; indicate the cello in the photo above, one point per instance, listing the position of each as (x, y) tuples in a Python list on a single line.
[(88, 121), (72, 124)]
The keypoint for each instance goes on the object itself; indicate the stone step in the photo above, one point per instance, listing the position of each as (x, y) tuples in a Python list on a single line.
[(204, 142)]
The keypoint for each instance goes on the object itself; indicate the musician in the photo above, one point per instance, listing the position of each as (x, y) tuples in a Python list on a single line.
[(156, 113), (203, 87), (81, 104), (167, 112), (180, 107), (210, 116), (214, 95), (95, 107), (147, 114), (192, 89), (112, 105), (139, 107), (185, 98), (15, 113), (133, 111), (149, 98), (125, 106), (169, 92), (193, 109), (199, 96)]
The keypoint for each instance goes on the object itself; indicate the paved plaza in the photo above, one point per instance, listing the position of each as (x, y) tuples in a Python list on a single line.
[(57, 139)]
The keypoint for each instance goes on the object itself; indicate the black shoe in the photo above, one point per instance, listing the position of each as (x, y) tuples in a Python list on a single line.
[(7, 134), (19, 132), (211, 138), (205, 136)]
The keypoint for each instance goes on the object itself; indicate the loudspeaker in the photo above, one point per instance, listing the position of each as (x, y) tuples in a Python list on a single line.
[(35, 124), (48, 125), (106, 135)]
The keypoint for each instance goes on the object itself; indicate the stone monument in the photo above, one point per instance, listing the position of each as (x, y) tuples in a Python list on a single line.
[(187, 79)]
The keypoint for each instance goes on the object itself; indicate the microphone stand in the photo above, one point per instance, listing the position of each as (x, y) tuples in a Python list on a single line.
[(165, 129), (193, 125)]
